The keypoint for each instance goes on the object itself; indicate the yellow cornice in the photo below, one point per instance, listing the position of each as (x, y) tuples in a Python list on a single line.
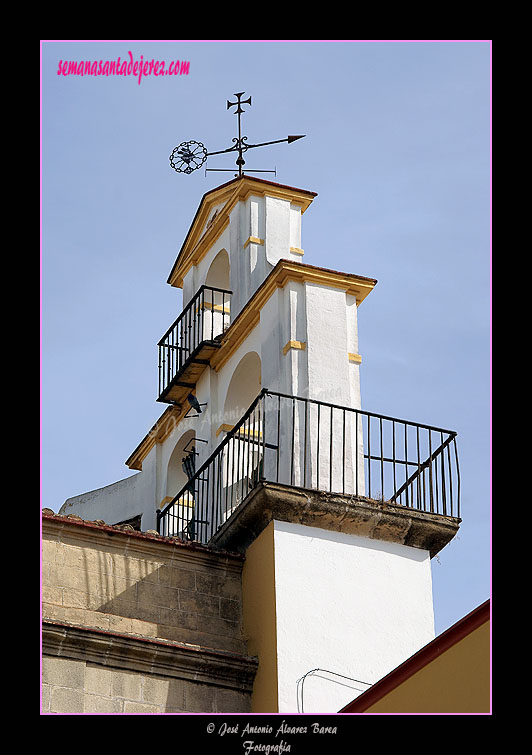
[(200, 239), (356, 285), (284, 271), (166, 423)]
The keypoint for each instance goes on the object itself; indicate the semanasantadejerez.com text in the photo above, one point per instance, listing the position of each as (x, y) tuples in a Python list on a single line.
[(120, 67)]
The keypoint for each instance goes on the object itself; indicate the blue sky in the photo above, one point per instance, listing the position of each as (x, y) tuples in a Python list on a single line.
[(398, 150)]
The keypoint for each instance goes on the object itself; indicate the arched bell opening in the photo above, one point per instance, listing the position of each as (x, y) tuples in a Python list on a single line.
[(181, 468), (244, 387), (242, 454), (219, 273)]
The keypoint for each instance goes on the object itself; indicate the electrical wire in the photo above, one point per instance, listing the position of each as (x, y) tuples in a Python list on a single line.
[(301, 681)]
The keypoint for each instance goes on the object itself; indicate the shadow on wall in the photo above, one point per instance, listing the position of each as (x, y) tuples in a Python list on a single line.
[(167, 602)]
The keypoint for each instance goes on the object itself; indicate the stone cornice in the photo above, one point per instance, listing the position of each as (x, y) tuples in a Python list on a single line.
[(149, 656), (139, 544), (351, 514)]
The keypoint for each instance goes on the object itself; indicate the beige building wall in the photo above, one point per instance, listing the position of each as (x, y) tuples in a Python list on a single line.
[(77, 686), (133, 622), (452, 674), (457, 681), (258, 581)]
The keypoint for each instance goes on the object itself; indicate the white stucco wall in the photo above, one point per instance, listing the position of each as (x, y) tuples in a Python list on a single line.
[(293, 327), (345, 604), (295, 227), (327, 347), (277, 242), (119, 501), (238, 233), (275, 226)]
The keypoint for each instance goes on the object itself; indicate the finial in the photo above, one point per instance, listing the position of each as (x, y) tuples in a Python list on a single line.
[(189, 156)]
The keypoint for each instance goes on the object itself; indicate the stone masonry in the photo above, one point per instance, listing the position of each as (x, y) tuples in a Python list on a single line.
[(139, 623)]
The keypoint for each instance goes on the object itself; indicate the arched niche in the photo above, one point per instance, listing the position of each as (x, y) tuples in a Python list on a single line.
[(219, 273), (241, 460), (241, 464), (216, 301), (176, 477), (244, 387)]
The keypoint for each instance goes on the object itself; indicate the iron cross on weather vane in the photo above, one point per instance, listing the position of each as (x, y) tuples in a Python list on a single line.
[(189, 156)]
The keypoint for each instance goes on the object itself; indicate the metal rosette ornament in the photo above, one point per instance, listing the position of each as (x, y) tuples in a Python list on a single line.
[(189, 156)]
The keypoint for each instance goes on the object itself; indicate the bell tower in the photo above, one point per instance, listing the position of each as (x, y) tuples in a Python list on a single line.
[(337, 510), (264, 448)]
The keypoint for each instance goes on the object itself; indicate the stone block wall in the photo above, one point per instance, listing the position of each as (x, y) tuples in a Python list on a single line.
[(133, 622)]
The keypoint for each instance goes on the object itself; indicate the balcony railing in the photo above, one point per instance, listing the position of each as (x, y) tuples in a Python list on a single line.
[(320, 446), (204, 318)]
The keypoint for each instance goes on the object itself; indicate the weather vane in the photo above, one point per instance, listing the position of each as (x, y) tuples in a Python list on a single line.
[(189, 156)]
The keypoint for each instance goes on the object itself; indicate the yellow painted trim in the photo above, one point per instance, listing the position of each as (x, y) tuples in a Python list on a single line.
[(284, 271), (294, 345), (237, 336), (200, 238), (167, 422), (217, 308), (204, 244), (298, 271), (188, 501), (296, 250), (253, 240), (259, 619), (199, 241), (224, 429), (211, 221), (244, 432), (354, 358)]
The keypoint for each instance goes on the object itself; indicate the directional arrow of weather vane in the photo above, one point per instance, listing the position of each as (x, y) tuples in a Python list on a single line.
[(190, 156)]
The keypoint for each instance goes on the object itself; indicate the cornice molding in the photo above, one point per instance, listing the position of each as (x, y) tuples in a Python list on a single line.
[(284, 271), (140, 544), (200, 239), (148, 656), (158, 433)]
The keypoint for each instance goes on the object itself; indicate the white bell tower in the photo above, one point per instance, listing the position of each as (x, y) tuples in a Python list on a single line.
[(264, 448), (338, 511)]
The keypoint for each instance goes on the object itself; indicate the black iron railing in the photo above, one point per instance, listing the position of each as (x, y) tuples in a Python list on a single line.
[(205, 317), (320, 446)]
